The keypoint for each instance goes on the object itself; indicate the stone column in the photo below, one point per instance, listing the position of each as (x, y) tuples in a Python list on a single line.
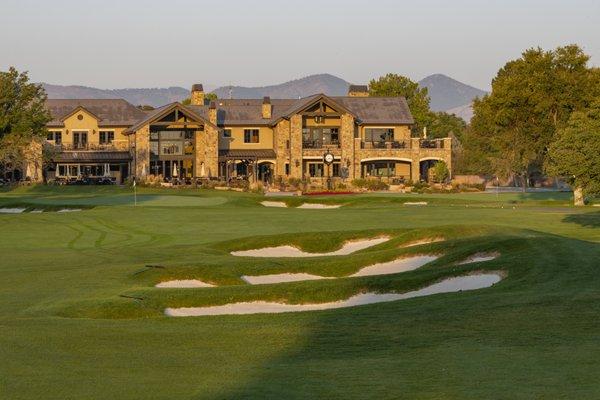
[(347, 143), (211, 158), (282, 136), (296, 146), (142, 152)]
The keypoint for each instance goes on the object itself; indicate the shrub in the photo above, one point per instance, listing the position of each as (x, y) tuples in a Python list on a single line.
[(440, 172)]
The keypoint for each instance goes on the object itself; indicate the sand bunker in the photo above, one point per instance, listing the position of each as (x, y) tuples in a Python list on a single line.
[(395, 266), (479, 257), (423, 241), (315, 206), (457, 284), (386, 268), (184, 283), (415, 203), (67, 210), (290, 251), (11, 210), (280, 278), (273, 204)]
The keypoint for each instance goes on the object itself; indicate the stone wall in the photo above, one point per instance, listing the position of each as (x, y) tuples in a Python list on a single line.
[(142, 152), (281, 139), (347, 133), (296, 146)]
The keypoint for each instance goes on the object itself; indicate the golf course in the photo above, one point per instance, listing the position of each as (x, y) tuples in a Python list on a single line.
[(81, 316)]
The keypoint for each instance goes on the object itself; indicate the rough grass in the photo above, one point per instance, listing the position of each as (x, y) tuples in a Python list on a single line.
[(65, 332)]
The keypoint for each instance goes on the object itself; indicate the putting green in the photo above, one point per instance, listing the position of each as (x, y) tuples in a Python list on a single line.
[(80, 315)]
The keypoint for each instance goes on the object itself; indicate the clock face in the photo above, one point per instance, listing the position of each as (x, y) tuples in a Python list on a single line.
[(329, 158)]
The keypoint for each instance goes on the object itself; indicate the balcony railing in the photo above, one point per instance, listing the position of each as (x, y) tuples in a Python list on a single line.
[(385, 144), (320, 144), (86, 147), (431, 143)]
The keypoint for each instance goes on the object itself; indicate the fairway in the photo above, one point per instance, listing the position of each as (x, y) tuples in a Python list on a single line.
[(81, 316)]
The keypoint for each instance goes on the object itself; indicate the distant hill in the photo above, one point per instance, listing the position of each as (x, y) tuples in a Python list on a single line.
[(321, 83), (447, 93), (153, 96)]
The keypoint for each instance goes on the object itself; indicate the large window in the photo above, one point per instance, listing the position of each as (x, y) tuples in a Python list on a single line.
[(317, 137), (379, 134), (381, 169), (251, 136), (54, 136), (172, 143), (107, 137), (320, 170)]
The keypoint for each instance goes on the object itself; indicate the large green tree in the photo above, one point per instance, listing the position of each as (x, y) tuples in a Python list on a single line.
[(23, 118), (532, 97), (438, 124), (394, 85), (575, 153)]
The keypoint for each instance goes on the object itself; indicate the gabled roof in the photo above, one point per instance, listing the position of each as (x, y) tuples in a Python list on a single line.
[(379, 110), (109, 112), (165, 110)]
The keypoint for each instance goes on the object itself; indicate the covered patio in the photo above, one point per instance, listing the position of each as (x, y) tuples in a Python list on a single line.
[(251, 165)]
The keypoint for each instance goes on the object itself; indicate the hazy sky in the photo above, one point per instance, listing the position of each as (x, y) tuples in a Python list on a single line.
[(130, 43)]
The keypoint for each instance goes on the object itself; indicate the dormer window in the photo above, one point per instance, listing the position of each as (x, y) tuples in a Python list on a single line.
[(251, 136), (107, 137)]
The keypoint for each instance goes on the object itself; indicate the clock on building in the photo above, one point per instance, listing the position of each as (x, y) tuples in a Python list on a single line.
[(328, 158)]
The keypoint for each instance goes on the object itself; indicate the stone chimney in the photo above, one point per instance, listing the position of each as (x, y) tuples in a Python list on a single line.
[(358, 91), (212, 112), (197, 95), (267, 108)]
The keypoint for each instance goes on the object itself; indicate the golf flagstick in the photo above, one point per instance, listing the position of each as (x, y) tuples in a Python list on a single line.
[(134, 193)]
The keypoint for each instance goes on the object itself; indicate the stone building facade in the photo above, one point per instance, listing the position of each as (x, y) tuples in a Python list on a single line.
[(256, 139)]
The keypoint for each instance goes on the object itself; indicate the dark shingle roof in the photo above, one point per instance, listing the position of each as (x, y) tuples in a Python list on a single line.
[(368, 110), (92, 156), (241, 154), (378, 110), (358, 88), (111, 112), (118, 112)]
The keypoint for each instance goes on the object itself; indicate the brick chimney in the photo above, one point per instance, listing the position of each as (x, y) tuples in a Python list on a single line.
[(267, 108), (197, 95), (212, 112), (358, 91)]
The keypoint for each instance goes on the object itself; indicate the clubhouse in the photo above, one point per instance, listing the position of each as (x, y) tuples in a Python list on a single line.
[(256, 139)]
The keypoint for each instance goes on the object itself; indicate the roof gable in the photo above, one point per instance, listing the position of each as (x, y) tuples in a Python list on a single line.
[(165, 111)]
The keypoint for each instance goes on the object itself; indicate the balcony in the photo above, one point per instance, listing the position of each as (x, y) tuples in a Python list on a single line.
[(320, 144), (385, 145), (86, 147), (431, 143)]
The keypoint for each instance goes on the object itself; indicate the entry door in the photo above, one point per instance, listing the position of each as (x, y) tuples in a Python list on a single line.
[(80, 140)]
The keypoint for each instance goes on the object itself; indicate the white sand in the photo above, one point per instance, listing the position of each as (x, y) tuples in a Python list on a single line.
[(273, 204), (395, 266), (66, 210), (479, 257), (386, 268), (11, 210), (289, 251), (315, 206), (280, 278), (423, 241), (36, 211), (184, 283), (457, 284), (415, 203)]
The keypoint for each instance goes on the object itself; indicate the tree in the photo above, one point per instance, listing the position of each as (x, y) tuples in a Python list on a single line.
[(393, 85), (531, 98), (442, 125), (23, 119), (575, 153), (440, 172), (207, 97)]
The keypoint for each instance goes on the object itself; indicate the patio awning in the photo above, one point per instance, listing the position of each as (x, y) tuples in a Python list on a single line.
[(246, 154), (92, 157)]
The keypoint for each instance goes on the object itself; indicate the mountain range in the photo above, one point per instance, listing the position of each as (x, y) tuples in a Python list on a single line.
[(446, 94)]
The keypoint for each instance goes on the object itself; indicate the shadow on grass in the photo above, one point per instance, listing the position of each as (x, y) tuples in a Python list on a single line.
[(588, 220)]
